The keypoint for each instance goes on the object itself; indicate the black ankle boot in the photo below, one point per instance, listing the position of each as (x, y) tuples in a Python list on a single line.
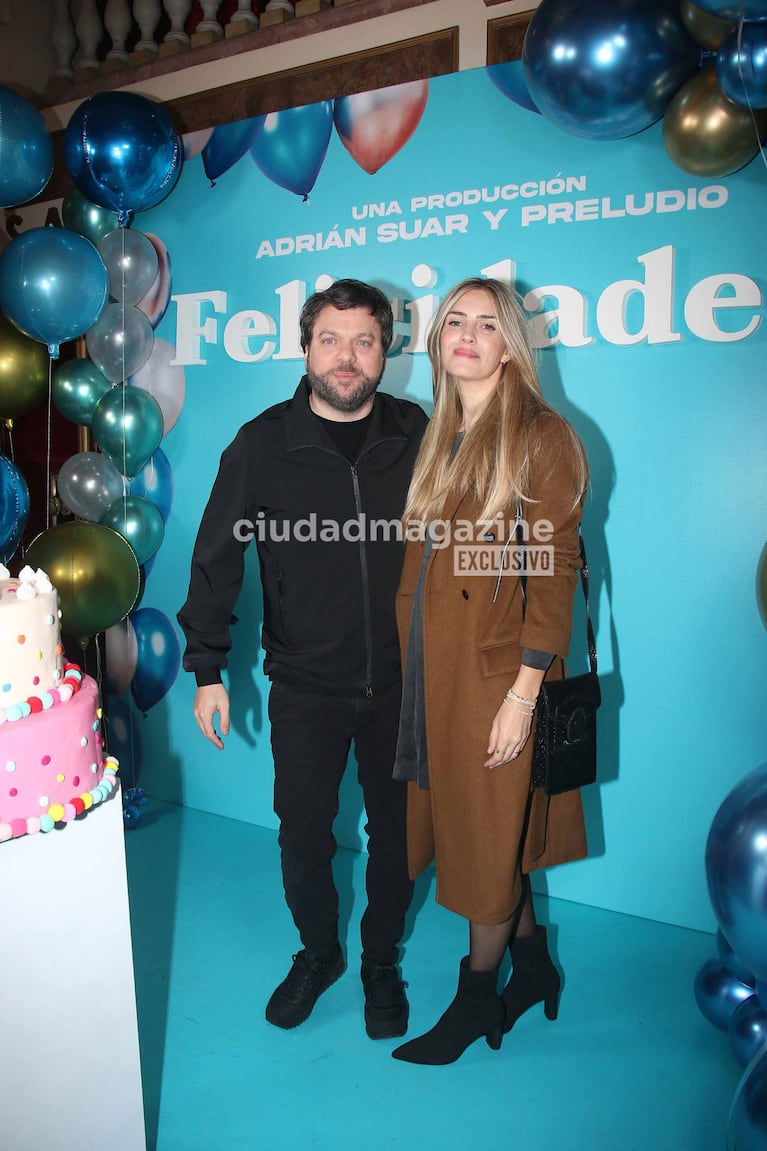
[(534, 979), (477, 1010)]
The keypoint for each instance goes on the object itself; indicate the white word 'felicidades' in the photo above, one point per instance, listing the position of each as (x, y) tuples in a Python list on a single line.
[(647, 308)]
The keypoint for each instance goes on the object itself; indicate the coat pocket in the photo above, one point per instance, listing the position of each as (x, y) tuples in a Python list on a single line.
[(500, 659)]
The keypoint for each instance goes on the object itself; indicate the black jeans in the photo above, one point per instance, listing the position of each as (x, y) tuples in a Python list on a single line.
[(311, 736)]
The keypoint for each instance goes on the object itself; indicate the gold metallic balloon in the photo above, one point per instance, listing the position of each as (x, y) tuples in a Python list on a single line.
[(706, 29), (23, 372), (94, 570), (707, 134)]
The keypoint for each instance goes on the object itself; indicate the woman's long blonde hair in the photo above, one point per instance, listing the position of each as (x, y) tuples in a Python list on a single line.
[(493, 464)]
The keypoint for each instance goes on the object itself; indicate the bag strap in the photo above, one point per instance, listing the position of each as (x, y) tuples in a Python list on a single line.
[(590, 640)]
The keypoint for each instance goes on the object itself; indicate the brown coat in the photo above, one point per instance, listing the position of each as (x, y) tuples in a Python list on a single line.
[(485, 827)]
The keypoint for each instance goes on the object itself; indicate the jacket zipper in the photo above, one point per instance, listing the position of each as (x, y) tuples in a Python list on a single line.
[(365, 589)]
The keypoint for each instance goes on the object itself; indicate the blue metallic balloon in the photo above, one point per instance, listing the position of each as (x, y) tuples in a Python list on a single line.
[(292, 144), (510, 79), (14, 508), (735, 9), (736, 870), (228, 143), (122, 152), (26, 150), (738, 969), (747, 1030), (159, 657), (747, 1121), (606, 68), (741, 66), (718, 992), (155, 482), (53, 285)]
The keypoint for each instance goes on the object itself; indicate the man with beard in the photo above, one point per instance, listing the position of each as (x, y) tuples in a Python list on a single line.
[(321, 480)]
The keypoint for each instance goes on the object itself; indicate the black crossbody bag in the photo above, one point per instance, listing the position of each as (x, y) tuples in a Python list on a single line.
[(565, 736)]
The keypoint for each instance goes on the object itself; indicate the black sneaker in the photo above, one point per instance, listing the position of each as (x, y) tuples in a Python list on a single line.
[(386, 1008), (293, 1001)]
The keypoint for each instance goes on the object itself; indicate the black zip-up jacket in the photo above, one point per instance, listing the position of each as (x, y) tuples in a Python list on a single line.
[(328, 586)]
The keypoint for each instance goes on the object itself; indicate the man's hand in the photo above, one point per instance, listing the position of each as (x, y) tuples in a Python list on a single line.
[(208, 701)]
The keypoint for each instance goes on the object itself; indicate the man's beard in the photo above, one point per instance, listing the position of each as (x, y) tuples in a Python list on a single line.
[(347, 401)]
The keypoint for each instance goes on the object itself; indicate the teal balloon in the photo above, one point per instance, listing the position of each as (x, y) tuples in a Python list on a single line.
[(53, 285), (292, 144), (14, 507), (131, 263), (26, 150), (77, 387), (127, 426), (159, 656), (139, 522), (120, 342), (90, 220)]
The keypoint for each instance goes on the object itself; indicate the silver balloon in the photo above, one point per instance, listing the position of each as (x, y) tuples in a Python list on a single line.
[(131, 263), (88, 483), (120, 342)]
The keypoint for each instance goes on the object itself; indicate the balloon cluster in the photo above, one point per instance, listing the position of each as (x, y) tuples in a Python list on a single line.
[(731, 987), (606, 69), (289, 147), (95, 278)]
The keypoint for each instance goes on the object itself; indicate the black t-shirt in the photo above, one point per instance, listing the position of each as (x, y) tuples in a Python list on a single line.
[(347, 435)]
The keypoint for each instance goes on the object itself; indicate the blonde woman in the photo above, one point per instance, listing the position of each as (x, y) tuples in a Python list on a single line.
[(496, 462)]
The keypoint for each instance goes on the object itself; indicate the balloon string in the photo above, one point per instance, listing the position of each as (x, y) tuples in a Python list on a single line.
[(122, 316), (48, 493), (741, 22)]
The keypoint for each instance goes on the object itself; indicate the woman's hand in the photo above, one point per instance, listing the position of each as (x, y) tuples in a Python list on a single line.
[(508, 735), (511, 726)]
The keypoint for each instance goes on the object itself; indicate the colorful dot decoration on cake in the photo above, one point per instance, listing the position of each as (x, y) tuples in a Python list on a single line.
[(62, 813), (69, 685)]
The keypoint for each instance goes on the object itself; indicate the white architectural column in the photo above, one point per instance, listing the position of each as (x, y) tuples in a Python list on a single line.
[(118, 20), (63, 39), (89, 29), (178, 11), (147, 13)]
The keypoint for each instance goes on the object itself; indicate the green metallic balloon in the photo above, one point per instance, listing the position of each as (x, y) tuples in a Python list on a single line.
[(23, 372), (94, 570), (80, 215), (707, 134), (77, 387), (138, 521), (127, 426), (706, 29)]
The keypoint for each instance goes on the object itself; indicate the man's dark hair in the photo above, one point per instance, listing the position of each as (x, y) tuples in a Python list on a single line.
[(348, 294)]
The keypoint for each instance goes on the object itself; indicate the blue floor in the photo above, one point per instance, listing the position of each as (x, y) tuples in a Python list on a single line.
[(630, 1065)]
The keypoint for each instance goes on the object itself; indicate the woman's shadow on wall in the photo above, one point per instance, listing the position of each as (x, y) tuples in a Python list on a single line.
[(595, 516)]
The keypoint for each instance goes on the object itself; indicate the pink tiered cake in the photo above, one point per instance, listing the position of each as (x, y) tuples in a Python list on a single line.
[(52, 766)]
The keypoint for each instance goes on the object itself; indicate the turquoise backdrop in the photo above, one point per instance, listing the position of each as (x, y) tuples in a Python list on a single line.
[(646, 286)]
